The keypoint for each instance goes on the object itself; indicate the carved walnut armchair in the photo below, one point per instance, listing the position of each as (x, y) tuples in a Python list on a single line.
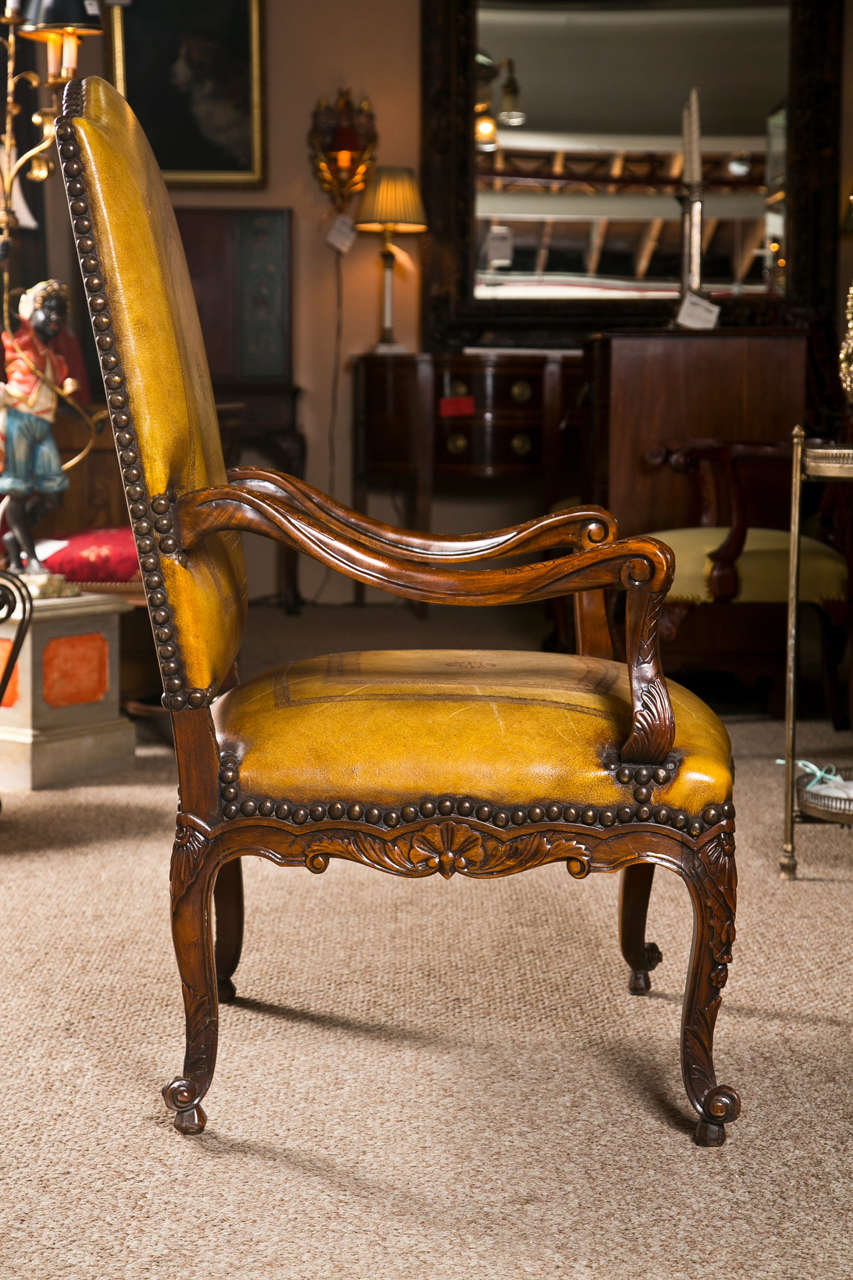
[(413, 762)]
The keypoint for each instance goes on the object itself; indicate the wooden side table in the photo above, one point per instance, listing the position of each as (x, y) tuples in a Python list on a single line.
[(819, 462), (486, 424), (262, 419), (481, 423)]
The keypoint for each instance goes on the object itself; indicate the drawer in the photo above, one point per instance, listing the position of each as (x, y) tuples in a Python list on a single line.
[(506, 392), (480, 446)]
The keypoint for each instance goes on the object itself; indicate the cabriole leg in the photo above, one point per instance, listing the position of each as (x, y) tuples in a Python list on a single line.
[(712, 880), (228, 909), (640, 955), (192, 876)]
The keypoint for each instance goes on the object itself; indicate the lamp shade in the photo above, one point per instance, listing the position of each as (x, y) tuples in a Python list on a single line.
[(391, 201), (44, 16)]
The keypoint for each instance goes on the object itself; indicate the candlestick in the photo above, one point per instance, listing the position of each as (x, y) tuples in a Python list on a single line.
[(695, 137)]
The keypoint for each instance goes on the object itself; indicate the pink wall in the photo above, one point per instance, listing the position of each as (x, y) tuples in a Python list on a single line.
[(311, 50)]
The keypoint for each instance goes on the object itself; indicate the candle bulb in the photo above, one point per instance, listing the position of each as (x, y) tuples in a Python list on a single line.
[(13, 8), (54, 55), (69, 55)]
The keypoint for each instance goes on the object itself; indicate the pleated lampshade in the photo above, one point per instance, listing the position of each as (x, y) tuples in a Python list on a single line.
[(391, 200)]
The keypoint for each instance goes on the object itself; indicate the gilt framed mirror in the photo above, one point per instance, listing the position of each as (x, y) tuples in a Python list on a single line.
[(567, 220)]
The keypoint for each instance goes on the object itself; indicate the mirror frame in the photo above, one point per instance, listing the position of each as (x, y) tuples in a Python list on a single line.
[(452, 318)]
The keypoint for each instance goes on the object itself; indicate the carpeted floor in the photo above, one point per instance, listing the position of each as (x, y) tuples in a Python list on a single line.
[(420, 1080)]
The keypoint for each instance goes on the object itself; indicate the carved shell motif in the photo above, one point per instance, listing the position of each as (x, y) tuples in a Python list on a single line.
[(449, 848)]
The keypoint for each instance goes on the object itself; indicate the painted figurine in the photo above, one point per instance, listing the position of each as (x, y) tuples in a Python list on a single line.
[(32, 477)]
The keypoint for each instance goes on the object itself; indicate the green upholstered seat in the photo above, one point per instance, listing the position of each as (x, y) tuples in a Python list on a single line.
[(762, 567)]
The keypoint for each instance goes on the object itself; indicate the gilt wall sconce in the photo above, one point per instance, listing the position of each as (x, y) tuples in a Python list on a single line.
[(342, 141)]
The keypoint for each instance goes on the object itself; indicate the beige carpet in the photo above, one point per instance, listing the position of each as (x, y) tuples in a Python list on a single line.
[(420, 1080)]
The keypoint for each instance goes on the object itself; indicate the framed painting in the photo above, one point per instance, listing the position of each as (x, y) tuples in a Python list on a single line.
[(192, 74)]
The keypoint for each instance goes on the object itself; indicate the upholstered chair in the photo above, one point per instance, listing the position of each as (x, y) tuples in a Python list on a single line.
[(470, 763), (727, 607)]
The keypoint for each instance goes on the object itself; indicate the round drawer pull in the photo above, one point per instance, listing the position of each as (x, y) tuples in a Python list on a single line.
[(521, 391), (457, 443), (458, 387), (521, 444)]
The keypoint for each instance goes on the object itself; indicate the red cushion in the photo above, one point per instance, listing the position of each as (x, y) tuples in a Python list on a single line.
[(98, 555)]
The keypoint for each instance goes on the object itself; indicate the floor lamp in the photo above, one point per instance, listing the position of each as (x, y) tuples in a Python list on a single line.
[(391, 203)]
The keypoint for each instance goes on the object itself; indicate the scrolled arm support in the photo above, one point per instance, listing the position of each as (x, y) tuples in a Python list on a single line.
[(643, 567), (581, 527)]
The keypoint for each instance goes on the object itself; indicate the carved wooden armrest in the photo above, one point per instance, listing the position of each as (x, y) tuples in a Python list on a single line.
[(580, 527), (643, 567)]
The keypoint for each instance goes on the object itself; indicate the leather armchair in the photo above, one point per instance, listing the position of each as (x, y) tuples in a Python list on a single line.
[(411, 762)]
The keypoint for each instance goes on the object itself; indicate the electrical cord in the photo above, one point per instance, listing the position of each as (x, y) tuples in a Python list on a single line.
[(335, 392)]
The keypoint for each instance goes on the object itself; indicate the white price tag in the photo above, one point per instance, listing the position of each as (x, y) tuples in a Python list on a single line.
[(342, 234), (697, 313)]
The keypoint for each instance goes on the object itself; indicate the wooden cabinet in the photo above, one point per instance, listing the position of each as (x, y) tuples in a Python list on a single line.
[(490, 423), (657, 388)]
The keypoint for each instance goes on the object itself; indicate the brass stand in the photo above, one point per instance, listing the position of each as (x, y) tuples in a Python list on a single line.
[(819, 463)]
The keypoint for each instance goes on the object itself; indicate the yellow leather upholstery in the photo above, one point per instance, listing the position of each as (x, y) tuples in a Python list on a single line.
[(168, 388), (762, 566), (389, 727)]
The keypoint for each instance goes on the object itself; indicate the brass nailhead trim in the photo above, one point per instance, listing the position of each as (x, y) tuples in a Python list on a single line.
[(152, 521), (234, 806)]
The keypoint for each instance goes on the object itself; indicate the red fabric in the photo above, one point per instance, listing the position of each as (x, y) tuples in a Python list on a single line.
[(98, 555), (456, 407), (66, 345)]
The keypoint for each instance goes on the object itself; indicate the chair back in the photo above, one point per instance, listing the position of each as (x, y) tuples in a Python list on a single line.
[(157, 384)]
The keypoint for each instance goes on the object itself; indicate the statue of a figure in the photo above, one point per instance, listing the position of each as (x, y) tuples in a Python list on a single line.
[(32, 477)]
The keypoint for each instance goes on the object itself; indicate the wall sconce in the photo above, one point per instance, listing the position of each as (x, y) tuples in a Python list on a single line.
[(391, 204), (510, 114), (342, 142)]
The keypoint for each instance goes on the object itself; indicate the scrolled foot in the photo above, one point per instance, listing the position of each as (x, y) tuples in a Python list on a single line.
[(720, 1106), (706, 1135), (226, 990), (638, 983), (192, 1121), (182, 1097)]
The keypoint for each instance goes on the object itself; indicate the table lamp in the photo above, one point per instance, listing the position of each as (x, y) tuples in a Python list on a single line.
[(391, 202)]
